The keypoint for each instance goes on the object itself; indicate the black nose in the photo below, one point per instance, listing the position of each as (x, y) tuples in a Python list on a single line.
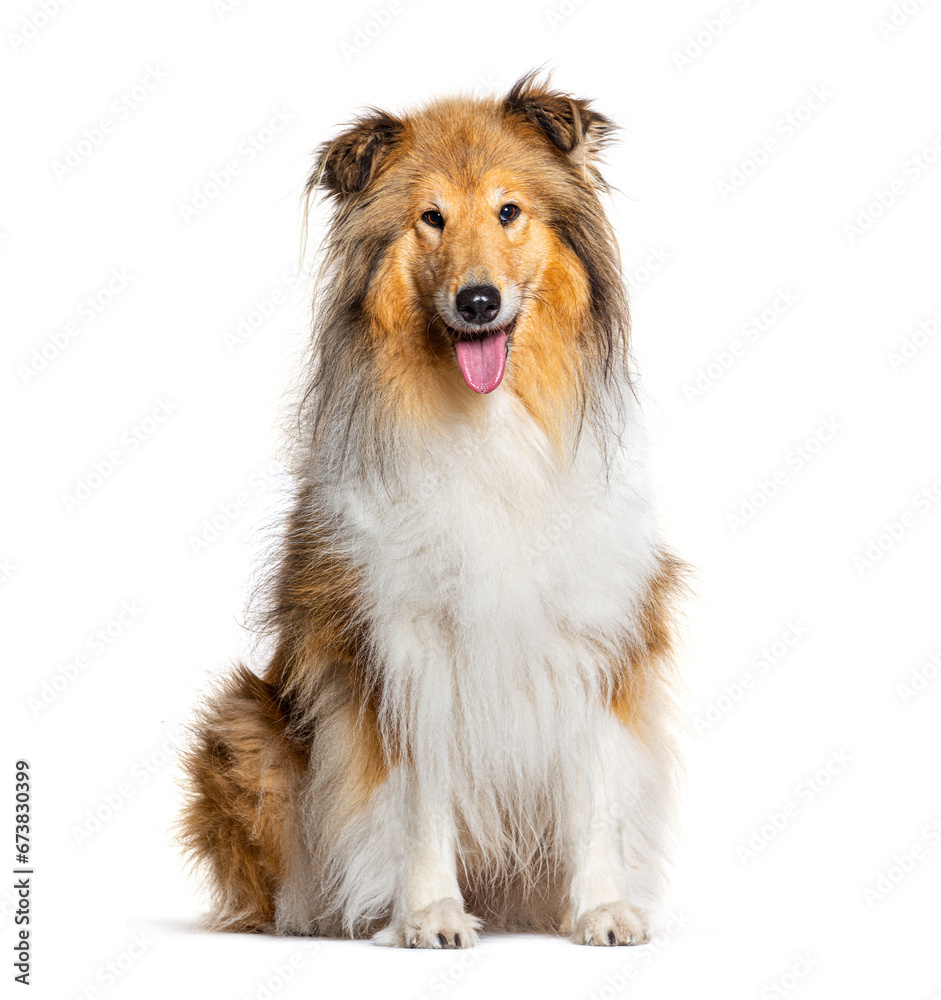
[(478, 304)]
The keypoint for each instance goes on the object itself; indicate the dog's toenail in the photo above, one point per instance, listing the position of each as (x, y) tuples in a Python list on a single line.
[(442, 940), (611, 937), (457, 940)]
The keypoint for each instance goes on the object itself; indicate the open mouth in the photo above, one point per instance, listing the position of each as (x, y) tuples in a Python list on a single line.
[(481, 355)]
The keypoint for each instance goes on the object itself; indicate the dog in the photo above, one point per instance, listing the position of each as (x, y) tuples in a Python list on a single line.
[(469, 718)]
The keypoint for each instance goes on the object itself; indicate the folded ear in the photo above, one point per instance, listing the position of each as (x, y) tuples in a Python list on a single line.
[(570, 123), (348, 164)]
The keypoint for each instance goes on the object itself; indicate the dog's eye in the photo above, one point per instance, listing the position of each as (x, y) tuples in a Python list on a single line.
[(435, 219), (509, 212)]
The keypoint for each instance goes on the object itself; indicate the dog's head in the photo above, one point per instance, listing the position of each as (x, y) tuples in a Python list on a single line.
[(471, 230)]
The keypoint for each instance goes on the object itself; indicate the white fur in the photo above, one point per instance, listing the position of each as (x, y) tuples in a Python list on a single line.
[(496, 580)]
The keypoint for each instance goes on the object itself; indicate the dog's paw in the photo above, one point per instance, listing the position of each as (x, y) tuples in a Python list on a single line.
[(611, 924), (444, 924)]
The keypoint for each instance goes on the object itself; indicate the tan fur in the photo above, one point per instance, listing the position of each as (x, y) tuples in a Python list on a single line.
[(314, 610), (413, 353), (253, 735), (243, 772), (546, 366), (381, 333), (644, 670), (321, 664)]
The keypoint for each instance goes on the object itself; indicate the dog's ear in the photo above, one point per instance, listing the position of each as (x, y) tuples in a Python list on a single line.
[(347, 164), (570, 123)]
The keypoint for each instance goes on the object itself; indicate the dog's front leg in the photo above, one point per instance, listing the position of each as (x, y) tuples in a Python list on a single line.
[(429, 910), (600, 888)]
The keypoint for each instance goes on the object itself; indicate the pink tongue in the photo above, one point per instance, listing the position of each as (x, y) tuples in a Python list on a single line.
[(482, 361)]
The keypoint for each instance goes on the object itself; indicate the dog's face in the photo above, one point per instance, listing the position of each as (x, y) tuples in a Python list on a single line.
[(476, 251), (484, 228)]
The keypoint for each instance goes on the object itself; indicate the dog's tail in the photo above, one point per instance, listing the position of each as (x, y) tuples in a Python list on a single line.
[(242, 772)]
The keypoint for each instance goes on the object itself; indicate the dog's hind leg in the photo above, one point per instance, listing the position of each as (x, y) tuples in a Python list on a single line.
[(239, 820)]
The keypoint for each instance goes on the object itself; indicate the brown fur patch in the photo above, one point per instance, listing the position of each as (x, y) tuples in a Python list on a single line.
[(254, 736), (238, 820), (568, 122), (314, 612), (546, 363), (321, 663), (348, 164), (646, 665)]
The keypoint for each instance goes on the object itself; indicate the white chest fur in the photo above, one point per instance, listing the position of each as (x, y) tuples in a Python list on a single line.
[(497, 585), (494, 578)]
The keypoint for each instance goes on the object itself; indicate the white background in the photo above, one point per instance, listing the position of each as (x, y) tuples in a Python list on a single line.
[(856, 689)]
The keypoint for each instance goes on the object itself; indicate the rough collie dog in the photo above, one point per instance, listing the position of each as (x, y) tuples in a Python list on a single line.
[(466, 720)]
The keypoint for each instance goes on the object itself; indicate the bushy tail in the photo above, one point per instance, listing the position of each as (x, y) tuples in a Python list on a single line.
[(242, 772)]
